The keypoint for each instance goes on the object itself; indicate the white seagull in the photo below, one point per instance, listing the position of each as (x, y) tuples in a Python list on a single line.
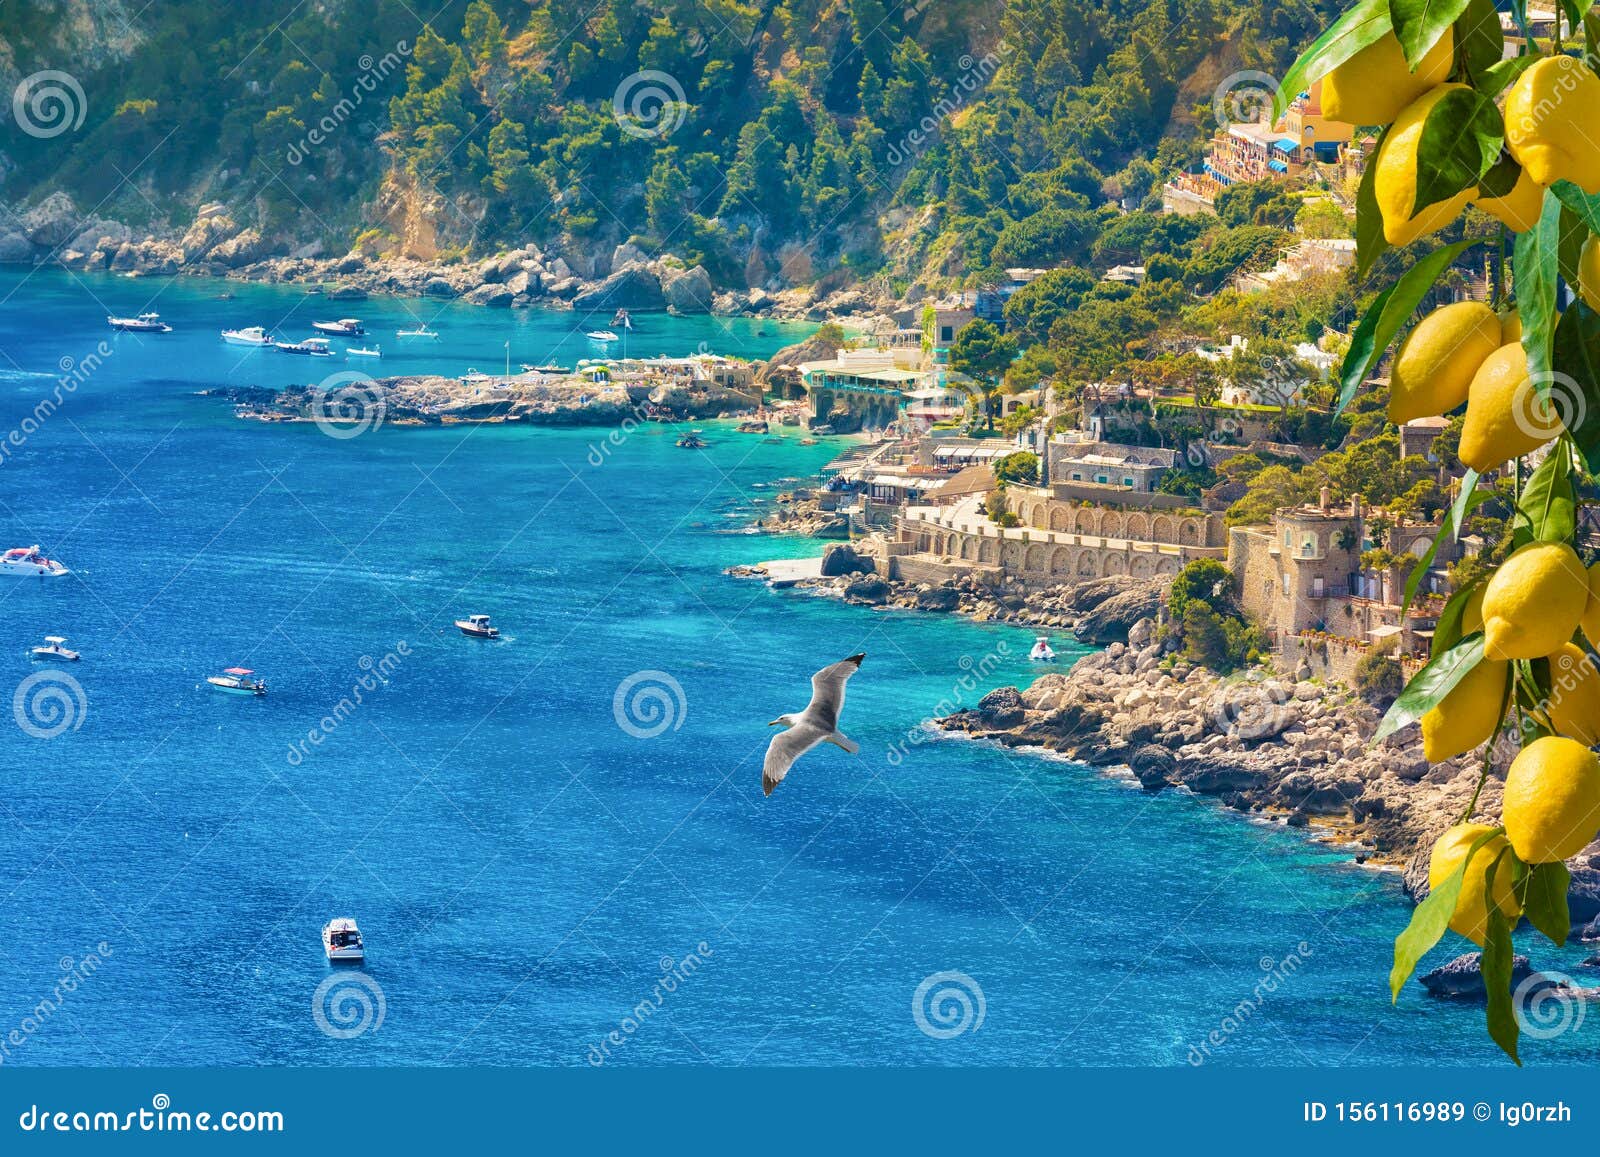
[(818, 723)]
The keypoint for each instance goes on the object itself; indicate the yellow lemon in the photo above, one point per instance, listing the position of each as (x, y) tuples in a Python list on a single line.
[(1519, 209), (1395, 182), (1589, 273), (1552, 800), (1436, 362), (1550, 122), (1574, 704), (1506, 418), (1591, 611), (1466, 717), (1510, 328), (1471, 917), (1533, 602), (1376, 84)]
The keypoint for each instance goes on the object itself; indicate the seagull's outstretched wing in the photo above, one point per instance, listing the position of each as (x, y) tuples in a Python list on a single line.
[(785, 748), (827, 693)]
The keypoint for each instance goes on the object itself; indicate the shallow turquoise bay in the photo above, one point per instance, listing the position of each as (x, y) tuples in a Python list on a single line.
[(525, 870)]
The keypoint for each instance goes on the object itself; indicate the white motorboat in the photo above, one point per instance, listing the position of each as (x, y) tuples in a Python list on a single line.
[(54, 651), (341, 940), (474, 377), (344, 327), (601, 335), (252, 335), (1042, 652), (312, 347), (144, 323), (477, 627), (26, 560), (420, 331), (238, 681), (364, 352)]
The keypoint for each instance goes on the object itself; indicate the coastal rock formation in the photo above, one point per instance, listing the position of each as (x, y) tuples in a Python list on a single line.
[(688, 290), (1462, 978), (1112, 618), (843, 559), (632, 288)]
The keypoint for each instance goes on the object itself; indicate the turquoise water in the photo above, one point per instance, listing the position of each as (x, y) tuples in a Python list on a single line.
[(531, 876)]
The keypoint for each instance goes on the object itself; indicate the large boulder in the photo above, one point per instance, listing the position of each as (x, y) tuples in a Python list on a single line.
[(240, 249), (939, 598), (347, 292), (871, 590), (1153, 766), (1461, 978), (1002, 708), (844, 559), (688, 290), (53, 221), (1111, 620), (631, 288), (15, 249), (496, 296), (438, 287), (205, 234)]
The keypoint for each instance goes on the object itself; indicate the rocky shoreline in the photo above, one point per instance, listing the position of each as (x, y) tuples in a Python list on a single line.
[(1286, 750), (53, 232), (428, 401)]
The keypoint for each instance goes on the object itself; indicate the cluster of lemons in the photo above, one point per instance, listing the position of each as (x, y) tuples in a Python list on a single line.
[(1548, 120), (1541, 599)]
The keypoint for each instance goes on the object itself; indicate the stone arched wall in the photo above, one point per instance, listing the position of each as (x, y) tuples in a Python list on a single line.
[(1086, 564), (1110, 524), (1113, 564), (1162, 530), (988, 550), (1168, 565), (1083, 521), (1143, 566), (1060, 561), (1187, 534), (1060, 519), (1136, 526)]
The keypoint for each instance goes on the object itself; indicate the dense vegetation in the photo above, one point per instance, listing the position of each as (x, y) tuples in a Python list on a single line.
[(812, 140)]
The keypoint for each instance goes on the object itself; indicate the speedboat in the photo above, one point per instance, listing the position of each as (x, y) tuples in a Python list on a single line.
[(364, 352), (344, 327), (420, 331), (692, 441), (252, 335), (474, 377), (26, 560), (601, 335), (1041, 652), (53, 651), (144, 323), (237, 681), (477, 627), (314, 347), (341, 940)]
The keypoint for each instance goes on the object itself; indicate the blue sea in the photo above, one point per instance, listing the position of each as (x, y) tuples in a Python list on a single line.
[(556, 844)]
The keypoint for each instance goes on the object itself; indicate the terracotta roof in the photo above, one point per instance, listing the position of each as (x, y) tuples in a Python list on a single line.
[(972, 480)]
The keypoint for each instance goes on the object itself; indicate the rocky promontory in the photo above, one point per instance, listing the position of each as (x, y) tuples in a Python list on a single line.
[(1297, 751)]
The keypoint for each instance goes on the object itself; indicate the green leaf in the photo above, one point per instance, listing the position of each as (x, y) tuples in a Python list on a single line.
[(1360, 27), (1570, 248), (1450, 527), (1480, 45), (1386, 315), (1429, 921), (1547, 510), (1575, 357), (1447, 632), (1576, 10), (1371, 243), (1501, 179), (1536, 261), (1461, 141), (1544, 900), (1418, 24), (1585, 206), (1502, 76), (1431, 684), (1495, 965)]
